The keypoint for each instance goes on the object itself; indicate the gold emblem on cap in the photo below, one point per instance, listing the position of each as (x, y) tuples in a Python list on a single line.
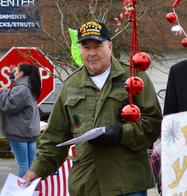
[(90, 24)]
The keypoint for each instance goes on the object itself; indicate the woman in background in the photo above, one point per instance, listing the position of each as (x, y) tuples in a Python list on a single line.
[(22, 120)]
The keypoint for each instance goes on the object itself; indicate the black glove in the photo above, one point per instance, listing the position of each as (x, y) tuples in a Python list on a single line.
[(112, 136)]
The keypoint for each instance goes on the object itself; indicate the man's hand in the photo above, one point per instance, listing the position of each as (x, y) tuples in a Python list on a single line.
[(112, 136), (29, 176)]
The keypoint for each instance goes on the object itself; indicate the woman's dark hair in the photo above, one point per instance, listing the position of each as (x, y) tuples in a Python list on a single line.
[(34, 77)]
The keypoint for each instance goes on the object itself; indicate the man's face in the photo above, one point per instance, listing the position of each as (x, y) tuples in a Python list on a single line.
[(96, 55)]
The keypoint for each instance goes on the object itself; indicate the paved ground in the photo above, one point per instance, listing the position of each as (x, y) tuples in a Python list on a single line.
[(6, 166), (9, 166)]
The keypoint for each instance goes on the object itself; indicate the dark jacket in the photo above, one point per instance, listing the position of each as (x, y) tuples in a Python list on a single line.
[(81, 106), (22, 120), (176, 91)]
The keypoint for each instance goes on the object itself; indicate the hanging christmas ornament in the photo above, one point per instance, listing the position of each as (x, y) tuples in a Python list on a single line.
[(177, 30), (141, 61), (138, 60), (184, 42), (121, 16), (117, 23), (133, 85), (136, 83), (130, 113), (128, 11), (171, 17)]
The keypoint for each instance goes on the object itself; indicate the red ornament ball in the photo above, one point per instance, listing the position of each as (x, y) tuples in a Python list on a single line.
[(184, 42), (130, 113), (141, 61), (136, 83), (171, 17), (121, 16)]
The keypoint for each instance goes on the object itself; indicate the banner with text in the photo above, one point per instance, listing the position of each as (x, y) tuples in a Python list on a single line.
[(174, 155), (19, 15)]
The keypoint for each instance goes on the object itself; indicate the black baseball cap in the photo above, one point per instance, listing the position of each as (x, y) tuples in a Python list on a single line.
[(93, 30)]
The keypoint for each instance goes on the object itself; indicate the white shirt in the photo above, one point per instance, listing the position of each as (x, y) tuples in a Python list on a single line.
[(100, 79)]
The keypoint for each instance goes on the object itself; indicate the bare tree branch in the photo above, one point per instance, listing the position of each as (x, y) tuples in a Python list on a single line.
[(62, 24), (29, 55), (125, 27), (93, 8)]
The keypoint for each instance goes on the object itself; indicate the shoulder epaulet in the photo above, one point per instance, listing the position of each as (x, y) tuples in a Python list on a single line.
[(124, 63)]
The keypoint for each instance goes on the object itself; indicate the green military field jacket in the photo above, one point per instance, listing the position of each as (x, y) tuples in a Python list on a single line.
[(81, 106)]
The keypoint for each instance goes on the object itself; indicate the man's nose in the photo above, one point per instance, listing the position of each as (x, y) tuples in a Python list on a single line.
[(92, 51)]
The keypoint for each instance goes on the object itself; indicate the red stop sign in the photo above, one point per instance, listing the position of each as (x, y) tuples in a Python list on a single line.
[(31, 55)]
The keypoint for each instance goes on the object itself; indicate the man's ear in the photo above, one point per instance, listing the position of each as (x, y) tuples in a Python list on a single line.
[(110, 44)]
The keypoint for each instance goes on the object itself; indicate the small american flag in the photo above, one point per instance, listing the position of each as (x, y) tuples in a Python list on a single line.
[(57, 184)]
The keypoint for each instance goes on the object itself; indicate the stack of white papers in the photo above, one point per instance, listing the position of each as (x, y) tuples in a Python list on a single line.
[(15, 186), (93, 133)]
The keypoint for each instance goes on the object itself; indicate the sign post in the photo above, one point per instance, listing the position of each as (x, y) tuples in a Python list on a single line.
[(31, 55)]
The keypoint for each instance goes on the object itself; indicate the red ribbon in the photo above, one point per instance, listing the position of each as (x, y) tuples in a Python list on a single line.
[(176, 3)]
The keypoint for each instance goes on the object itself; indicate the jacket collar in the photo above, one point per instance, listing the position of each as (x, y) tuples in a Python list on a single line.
[(116, 70), (23, 81)]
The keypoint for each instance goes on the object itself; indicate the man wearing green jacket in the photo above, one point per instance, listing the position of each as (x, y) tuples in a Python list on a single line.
[(116, 163)]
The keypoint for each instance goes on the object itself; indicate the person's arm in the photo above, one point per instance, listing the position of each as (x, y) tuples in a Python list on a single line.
[(170, 104), (49, 157), (15, 100)]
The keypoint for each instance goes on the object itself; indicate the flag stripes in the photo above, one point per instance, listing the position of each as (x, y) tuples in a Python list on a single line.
[(57, 184)]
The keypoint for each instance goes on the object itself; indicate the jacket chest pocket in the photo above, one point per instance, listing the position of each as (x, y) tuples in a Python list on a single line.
[(117, 99), (76, 110)]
